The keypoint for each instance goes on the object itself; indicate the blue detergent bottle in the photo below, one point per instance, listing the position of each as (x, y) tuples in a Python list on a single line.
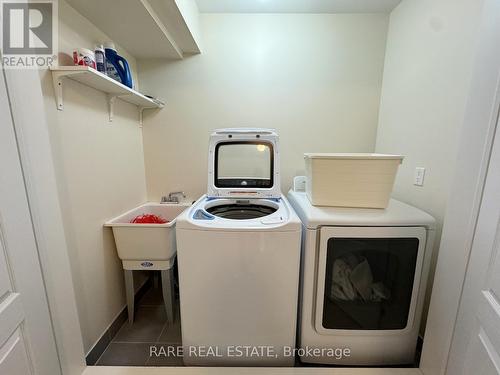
[(116, 65)]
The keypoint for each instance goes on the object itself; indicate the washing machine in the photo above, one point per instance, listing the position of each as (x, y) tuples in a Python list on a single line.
[(238, 250), (363, 282)]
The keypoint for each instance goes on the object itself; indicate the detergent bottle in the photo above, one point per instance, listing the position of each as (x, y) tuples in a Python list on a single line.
[(116, 66)]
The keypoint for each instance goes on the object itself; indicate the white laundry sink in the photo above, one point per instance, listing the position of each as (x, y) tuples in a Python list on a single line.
[(147, 246)]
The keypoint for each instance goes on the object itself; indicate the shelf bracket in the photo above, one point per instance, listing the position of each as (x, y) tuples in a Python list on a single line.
[(57, 82), (141, 110), (111, 106), (141, 113), (58, 90)]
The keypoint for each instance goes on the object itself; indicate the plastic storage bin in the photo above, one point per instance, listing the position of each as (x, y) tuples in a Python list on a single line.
[(351, 180)]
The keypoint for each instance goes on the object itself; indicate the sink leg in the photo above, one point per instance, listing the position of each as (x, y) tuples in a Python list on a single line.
[(129, 289), (167, 284), (155, 279)]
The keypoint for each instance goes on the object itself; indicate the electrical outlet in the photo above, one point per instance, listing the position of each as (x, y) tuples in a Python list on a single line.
[(419, 176)]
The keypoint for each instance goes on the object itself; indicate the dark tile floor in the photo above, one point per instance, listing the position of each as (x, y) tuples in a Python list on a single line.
[(134, 343)]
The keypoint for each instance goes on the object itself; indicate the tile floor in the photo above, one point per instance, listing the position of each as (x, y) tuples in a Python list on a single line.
[(131, 345), (247, 371)]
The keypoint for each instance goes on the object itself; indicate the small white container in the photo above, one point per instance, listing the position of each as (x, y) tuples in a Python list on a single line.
[(84, 56), (146, 246), (351, 180)]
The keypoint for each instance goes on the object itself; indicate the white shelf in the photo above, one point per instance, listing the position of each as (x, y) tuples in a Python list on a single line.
[(92, 78), (144, 28)]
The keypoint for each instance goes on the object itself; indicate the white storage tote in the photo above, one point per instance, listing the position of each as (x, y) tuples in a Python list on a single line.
[(351, 180)]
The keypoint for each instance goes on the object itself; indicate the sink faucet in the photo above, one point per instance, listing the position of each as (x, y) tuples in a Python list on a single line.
[(173, 197)]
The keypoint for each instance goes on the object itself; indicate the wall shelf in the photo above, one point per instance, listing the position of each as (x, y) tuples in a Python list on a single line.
[(145, 28), (92, 78)]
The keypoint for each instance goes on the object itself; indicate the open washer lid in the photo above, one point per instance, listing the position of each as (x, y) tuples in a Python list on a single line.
[(244, 163)]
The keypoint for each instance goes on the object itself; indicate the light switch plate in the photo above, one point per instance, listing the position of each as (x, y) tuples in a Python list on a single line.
[(419, 176)]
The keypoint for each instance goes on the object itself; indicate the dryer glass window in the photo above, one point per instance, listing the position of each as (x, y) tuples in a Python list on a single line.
[(244, 165), (369, 283)]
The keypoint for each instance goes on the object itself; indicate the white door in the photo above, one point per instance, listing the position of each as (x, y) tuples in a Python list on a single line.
[(27, 344), (476, 342)]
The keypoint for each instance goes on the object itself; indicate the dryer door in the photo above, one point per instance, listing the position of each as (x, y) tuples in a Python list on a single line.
[(368, 279)]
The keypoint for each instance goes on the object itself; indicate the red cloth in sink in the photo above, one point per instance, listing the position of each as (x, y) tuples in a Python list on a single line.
[(149, 219)]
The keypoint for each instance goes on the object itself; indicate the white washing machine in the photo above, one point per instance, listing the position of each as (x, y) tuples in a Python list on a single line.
[(238, 252), (363, 281)]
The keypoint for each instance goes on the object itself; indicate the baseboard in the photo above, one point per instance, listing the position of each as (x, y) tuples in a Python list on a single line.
[(100, 346)]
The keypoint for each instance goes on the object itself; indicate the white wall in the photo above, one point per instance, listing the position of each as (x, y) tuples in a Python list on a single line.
[(428, 66), (316, 78), (100, 174)]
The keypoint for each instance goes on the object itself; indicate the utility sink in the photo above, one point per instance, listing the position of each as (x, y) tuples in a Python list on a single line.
[(147, 246)]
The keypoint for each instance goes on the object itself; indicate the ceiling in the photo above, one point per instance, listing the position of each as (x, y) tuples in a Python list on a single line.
[(297, 6)]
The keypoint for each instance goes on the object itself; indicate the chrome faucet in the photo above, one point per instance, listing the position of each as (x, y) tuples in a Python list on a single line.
[(173, 197)]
